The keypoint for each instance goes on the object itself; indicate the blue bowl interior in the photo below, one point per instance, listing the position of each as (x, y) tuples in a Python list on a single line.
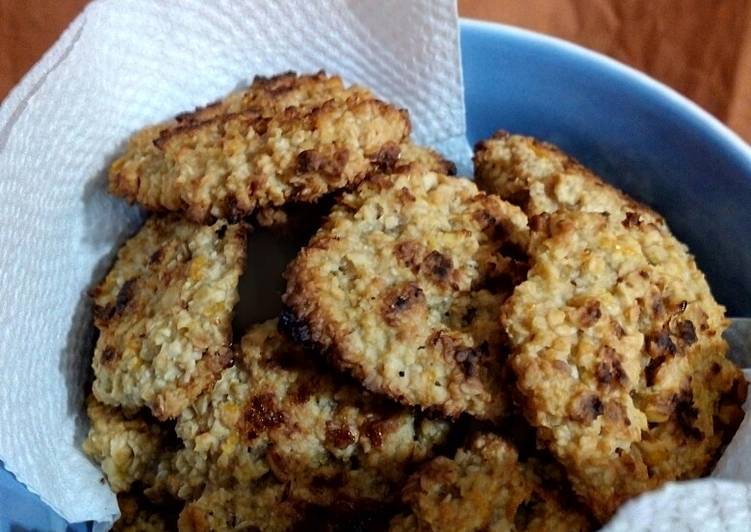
[(21, 510), (635, 133)]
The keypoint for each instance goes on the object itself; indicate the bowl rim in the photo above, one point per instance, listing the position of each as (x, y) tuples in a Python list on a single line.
[(725, 135)]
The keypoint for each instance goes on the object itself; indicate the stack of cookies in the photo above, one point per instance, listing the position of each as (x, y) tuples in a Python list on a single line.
[(525, 352)]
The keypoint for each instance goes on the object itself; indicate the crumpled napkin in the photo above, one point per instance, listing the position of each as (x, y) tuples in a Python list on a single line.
[(123, 64)]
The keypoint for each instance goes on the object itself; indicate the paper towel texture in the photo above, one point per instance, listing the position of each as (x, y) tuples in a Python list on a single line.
[(706, 505), (121, 65)]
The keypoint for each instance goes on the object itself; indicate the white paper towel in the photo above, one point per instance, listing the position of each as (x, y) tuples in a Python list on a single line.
[(126, 63)]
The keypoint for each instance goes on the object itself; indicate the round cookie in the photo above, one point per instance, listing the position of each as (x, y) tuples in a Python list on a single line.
[(128, 446), (287, 139), (402, 287), (619, 356), (413, 157), (265, 507), (540, 178), (276, 414), (484, 487), (164, 314)]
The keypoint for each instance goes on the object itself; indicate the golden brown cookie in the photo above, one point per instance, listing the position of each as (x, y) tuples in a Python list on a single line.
[(264, 506), (304, 218), (164, 314), (619, 356), (484, 487), (127, 446), (140, 515), (413, 157), (277, 413), (402, 287), (285, 139), (617, 340), (540, 178)]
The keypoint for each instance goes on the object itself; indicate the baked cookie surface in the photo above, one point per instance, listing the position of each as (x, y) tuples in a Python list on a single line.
[(540, 178), (285, 139), (164, 314), (127, 446), (616, 339), (484, 487), (413, 157), (276, 414), (402, 286), (264, 507), (619, 357)]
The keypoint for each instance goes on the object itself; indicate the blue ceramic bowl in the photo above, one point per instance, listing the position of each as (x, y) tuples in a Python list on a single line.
[(635, 132)]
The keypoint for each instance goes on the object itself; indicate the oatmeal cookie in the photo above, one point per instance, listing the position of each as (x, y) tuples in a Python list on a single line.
[(164, 314), (619, 357), (540, 178), (304, 218), (275, 411), (269, 95), (484, 487), (402, 287), (140, 515), (265, 506), (127, 446), (285, 139), (413, 157)]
